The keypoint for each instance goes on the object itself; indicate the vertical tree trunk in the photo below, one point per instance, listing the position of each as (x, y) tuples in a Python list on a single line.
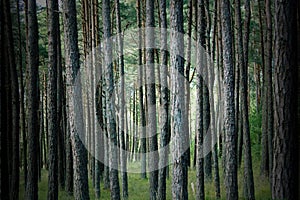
[(74, 100), (33, 105), (122, 105), (164, 104), (53, 22), (151, 99), (284, 184), (109, 79), (231, 184), (201, 24), (264, 166), (141, 94), (269, 82), (179, 181), (13, 105)]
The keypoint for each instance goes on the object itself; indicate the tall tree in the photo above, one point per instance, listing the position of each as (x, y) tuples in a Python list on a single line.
[(53, 22), (248, 173), (179, 180), (231, 184), (164, 104), (33, 104), (74, 100), (141, 93), (269, 87), (10, 134), (199, 90), (122, 104), (151, 99), (283, 184), (111, 123)]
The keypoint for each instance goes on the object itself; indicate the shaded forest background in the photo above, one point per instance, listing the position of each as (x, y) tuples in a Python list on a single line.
[(80, 113)]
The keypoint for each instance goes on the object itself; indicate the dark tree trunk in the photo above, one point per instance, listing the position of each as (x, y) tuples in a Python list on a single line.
[(164, 104), (53, 22), (141, 94), (201, 24), (284, 184), (12, 105), (269, 87), (151, 99), (33, 104)]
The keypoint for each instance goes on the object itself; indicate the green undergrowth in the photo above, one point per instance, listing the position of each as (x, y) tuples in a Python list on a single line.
[(139, 188)]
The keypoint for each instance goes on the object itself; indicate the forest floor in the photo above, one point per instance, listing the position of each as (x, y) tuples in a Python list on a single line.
[(139, 188)]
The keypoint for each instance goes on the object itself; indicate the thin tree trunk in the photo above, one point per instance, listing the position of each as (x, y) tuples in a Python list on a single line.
[(141, 94), (164, 104), (53, 22), (109, 79), (269, 82), (33, 104), (122, 104), (151, 99), (201, 23)]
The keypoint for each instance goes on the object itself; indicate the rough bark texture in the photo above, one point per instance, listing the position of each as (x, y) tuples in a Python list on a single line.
[(33, 104), (75, 110), (111, 123), (179, 181), (230, 149), (283, 177), (52, 6)]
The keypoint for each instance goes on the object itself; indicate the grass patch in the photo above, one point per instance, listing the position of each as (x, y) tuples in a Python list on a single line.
[(139, 188)]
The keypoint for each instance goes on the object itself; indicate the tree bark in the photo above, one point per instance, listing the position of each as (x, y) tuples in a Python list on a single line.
[(180, 165), (231, 184), (111, 123), (284, 163), (74, 100), (164, 104), (151, 99), (33, 104), (53, 22)]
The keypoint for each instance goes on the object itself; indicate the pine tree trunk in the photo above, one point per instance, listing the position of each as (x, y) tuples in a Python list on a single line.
[(122, 104), (53, 22), (269, 82), (283, 174), (74, 89), (111, 121), (179, 181), (230, 149), (141, 94), (151, 99), (201, 24), (33, 105), (164, 104), (12, 105)]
